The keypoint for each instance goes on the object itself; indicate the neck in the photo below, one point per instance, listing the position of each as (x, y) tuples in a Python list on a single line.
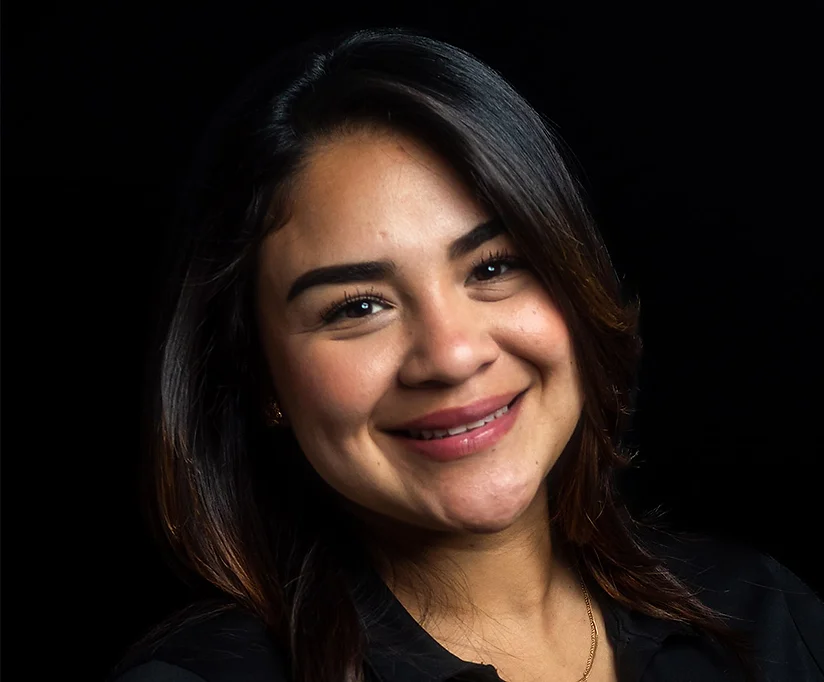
[(473, 579)]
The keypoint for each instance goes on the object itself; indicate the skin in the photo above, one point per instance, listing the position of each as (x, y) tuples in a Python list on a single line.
[(445, 337)]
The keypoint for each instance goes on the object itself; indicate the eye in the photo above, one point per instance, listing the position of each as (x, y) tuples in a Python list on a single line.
[(495, 265), (354, 307)]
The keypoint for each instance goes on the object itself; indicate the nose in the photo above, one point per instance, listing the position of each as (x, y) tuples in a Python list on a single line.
[(449, 343)]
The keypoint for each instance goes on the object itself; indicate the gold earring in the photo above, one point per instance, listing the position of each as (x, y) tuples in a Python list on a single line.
[(274, 415)]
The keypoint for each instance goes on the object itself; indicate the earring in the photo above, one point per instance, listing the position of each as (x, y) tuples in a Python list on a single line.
[(274, 415)]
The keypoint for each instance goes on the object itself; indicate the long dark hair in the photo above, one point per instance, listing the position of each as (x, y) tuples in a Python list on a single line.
[(236, 500)]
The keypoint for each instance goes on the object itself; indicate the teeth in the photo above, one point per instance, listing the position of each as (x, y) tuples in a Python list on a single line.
[(423, 434)]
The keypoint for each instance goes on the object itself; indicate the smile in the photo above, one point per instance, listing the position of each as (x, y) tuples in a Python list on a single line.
[(423, 434), (444, 445)]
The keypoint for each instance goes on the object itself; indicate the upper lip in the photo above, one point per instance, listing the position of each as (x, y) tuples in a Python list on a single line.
[(457, 416)]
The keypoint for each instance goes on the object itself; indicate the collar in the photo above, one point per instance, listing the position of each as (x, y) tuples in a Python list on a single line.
[(635, 637), (400, 650)]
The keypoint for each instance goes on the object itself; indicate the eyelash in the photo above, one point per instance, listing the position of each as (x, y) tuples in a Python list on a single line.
[(499, 257), (330, 314)]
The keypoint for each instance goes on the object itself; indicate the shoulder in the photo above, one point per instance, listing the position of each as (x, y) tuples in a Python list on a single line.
[(755, 593), (206, 643), (729, 577)]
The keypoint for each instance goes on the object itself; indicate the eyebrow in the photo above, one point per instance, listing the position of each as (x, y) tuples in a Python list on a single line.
[(372, 271)]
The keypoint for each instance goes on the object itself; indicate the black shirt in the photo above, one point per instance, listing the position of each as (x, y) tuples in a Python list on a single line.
[(758, 594)]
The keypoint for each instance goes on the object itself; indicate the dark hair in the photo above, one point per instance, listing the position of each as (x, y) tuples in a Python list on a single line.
[(238, 503)]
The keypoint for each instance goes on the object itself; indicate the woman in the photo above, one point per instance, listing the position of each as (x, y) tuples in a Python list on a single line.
[(390, 399)]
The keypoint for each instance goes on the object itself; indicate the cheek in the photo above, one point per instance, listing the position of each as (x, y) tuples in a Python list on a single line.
[(336, 385), (542, 334)]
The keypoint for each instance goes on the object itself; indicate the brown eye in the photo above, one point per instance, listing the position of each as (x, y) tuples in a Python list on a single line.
[(360, 308), (354, 308), (491, 270), (495, 265)]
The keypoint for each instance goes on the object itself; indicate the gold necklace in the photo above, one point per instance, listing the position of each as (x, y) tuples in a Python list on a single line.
[(593, 645)]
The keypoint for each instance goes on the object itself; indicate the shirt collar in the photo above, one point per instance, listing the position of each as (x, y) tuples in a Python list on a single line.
[(635, 637), (399, 649)]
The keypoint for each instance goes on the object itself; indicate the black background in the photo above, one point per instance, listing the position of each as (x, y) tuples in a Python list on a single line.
[(699, 133)]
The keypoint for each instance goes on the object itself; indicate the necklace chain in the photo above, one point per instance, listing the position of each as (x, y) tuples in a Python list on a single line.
[(593, 645)]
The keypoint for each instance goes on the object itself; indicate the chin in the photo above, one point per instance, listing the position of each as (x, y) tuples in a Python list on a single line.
[(488, 513)]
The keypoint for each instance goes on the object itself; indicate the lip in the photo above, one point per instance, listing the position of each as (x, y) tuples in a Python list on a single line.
[(466, 443), (455, 416)]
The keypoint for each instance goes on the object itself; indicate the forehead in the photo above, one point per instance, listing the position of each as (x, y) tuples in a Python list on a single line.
[(365, 192)]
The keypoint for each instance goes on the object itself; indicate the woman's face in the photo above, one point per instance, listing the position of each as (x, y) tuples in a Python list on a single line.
[(429, 314)]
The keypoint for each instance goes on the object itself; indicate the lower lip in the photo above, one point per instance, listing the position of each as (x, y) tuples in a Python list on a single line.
[(468, 442)]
